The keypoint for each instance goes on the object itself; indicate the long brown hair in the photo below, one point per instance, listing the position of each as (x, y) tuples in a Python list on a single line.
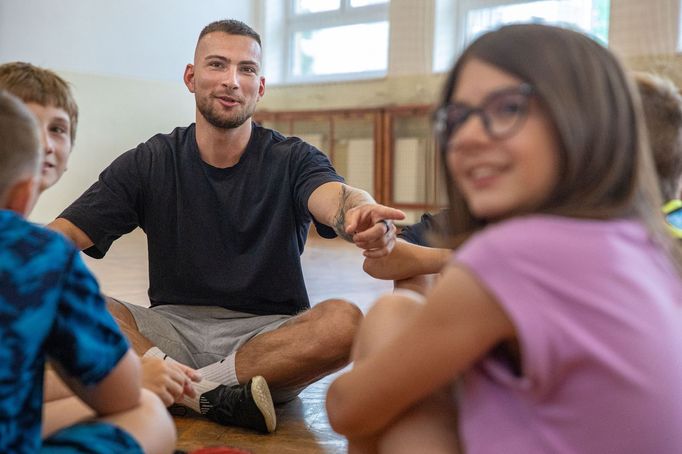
[(606, 169)]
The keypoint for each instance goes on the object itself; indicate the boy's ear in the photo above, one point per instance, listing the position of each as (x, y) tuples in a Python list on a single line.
[(22, 196)]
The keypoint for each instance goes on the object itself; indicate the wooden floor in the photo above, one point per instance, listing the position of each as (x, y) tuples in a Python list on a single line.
[(332, 269)]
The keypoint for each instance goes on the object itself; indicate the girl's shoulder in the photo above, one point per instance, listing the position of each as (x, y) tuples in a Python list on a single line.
[(565, 223), (540, 235), (538, 227)]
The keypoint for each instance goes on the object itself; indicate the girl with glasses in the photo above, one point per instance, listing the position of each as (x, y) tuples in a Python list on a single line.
[(556, 325)]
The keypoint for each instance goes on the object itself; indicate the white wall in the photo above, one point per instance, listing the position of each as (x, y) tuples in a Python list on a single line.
[(125, 60), (638, 28), (147, 39)]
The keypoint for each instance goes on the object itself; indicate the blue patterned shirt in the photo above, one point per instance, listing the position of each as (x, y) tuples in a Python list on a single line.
[(50, 307)]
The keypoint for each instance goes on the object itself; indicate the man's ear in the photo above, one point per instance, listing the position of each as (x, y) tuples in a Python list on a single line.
[(261, 87), (22, 196), (188, 77)]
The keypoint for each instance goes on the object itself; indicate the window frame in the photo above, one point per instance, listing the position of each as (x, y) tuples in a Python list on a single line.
[(460, 31), (463, 9), (343, 16)]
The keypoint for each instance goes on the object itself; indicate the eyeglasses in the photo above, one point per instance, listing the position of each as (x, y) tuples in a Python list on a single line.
[(502, 112)]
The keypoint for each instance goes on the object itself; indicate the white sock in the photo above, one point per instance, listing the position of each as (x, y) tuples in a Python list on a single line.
[(201, 387), (156, 352), (213, 375), (222, 372)]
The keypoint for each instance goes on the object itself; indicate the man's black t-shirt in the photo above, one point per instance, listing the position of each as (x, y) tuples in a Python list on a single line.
[(223, 237)]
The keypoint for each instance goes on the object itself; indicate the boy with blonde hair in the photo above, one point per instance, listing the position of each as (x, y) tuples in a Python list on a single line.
[(50, 307), (50, 99)]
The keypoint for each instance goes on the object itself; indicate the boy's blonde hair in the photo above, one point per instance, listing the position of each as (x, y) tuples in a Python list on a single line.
[(41, 86), (20, 148), (662, 104)]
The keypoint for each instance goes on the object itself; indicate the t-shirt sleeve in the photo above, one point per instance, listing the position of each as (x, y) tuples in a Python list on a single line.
[(429, 224), (312, 169), (84, 339), (417, 233), (111, 206), (513, 266)]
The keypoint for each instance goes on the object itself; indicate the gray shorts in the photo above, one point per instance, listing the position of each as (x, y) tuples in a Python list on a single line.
[(200, 335)]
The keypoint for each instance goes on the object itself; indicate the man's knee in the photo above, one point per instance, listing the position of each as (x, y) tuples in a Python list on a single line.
[(339, 321), (344, 316)]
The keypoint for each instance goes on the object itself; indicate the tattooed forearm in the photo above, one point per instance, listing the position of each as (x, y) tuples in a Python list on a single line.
[(340, 218), (350, 198)]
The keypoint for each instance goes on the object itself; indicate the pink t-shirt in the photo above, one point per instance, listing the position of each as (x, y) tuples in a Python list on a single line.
[(598, 312)]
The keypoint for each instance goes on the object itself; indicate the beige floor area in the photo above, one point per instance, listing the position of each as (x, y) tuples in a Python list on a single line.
[(332, 269)]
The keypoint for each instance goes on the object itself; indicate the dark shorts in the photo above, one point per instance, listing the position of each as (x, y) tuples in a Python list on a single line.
[(91, 437)]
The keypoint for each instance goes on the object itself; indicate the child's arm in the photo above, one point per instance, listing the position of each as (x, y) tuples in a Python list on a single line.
[(118, 391), (458, 325), (407, 260)]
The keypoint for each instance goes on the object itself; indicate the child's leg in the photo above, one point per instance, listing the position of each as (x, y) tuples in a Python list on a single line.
[(149, 423), (363, 446), (430, 426), (61, 413), (54, 388)]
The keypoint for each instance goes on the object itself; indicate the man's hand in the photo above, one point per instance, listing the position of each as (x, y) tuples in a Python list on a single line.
[(355, 217), (372, 229), (168, 380)]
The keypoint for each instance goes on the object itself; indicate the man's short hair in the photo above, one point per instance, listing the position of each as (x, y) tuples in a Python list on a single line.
[(20, 148), (41, 86), (663, 114), (231, 27)]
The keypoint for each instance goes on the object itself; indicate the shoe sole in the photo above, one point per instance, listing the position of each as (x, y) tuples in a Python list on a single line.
[(263, 399)]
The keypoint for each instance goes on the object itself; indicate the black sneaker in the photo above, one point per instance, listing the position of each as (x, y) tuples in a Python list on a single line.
[(248, 405)]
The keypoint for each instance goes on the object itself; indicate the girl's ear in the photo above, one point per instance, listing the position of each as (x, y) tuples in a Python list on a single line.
[(22, 196)]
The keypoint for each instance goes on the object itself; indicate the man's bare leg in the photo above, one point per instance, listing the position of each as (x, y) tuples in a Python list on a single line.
[(304, 349), (127, 323)]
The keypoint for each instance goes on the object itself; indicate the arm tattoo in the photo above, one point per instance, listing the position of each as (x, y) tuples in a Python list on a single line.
[(350, 198)]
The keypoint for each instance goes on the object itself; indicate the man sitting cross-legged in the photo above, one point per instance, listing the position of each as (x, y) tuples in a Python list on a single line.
[(226, 205)]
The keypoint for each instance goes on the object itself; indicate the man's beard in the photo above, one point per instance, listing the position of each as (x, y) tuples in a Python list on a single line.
[(219, 121)]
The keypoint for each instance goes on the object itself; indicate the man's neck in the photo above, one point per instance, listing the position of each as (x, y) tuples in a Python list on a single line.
[(222, 147)]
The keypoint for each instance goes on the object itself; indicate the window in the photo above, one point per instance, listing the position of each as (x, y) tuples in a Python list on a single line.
[(475, 17), (335, 40)]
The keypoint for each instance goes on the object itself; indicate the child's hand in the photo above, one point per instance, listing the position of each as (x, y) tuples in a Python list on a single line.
[(168, 380)]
